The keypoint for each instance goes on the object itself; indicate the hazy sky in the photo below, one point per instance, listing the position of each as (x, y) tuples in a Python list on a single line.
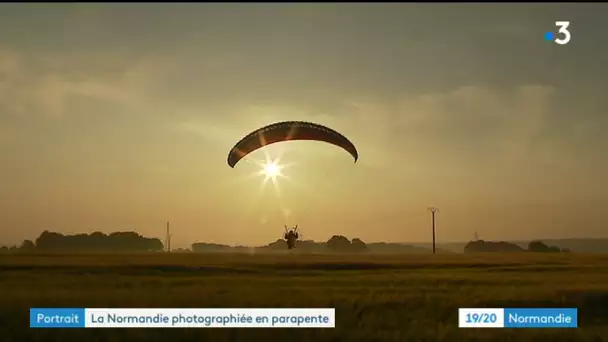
[(121, 116)]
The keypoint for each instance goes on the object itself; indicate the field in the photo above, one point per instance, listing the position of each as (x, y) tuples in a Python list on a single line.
[(377, 298)]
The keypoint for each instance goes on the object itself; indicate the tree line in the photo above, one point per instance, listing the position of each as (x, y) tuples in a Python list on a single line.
[(94, 242), (503, 246), (336, 244)]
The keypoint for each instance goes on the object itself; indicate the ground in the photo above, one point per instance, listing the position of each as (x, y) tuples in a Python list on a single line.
[(377, 298)]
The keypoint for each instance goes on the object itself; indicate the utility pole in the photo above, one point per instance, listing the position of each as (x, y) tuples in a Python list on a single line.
[(168, 239), (433, 210)]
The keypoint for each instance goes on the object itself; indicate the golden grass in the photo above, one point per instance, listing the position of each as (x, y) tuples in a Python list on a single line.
[(377, 297)]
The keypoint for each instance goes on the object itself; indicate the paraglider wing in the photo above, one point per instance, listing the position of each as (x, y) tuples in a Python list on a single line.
[(286, 131)]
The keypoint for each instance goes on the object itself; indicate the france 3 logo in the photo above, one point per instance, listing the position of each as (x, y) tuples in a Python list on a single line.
[(562, 36)]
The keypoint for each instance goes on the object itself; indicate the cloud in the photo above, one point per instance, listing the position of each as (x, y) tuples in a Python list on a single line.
[(472, 123), (45, 85), (512, 29), (473, 127), (9, 61), (475, 123), (211, 132), (507, 117)]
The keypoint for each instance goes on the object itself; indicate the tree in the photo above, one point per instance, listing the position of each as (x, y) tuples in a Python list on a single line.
[(27, 246), (358, 246), (481, 246), (539, 246), (338, 243), (96, 242)]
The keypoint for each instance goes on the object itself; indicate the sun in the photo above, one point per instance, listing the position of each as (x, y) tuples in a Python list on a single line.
[(272, 170)]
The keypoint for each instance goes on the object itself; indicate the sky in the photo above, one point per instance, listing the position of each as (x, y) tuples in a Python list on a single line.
[(120, 117)]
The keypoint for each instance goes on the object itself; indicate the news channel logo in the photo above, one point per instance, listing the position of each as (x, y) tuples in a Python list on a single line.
[(562, 35)]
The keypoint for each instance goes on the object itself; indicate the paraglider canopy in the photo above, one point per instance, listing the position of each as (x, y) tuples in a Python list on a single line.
[(286, 131)]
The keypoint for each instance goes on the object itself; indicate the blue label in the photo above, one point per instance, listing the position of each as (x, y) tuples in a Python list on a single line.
[(56, 318), (541, 318)]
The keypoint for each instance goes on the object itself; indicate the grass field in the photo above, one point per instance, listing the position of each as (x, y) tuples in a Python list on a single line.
[(377, 298)]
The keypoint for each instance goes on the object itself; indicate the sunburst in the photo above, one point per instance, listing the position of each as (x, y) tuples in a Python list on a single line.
[(272, 168)]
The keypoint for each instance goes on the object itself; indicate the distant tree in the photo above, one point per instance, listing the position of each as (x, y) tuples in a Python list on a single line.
[(358, 246), (539, 246), (481, 246), (308, 246), (338, 243), (279, 244), (48, 241), (27, 246), (97, 241), (202, 247)]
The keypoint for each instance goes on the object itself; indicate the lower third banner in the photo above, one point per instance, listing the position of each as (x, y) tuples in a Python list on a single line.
[(181, 318)]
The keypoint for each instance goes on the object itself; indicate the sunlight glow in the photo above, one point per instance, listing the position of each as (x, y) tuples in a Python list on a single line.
[(272, 170)]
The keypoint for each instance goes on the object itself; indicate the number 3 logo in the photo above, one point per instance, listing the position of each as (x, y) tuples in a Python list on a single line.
[(563, 29)]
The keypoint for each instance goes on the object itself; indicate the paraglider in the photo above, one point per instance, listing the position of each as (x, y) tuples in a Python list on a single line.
[(288, 131), (291, 236)]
